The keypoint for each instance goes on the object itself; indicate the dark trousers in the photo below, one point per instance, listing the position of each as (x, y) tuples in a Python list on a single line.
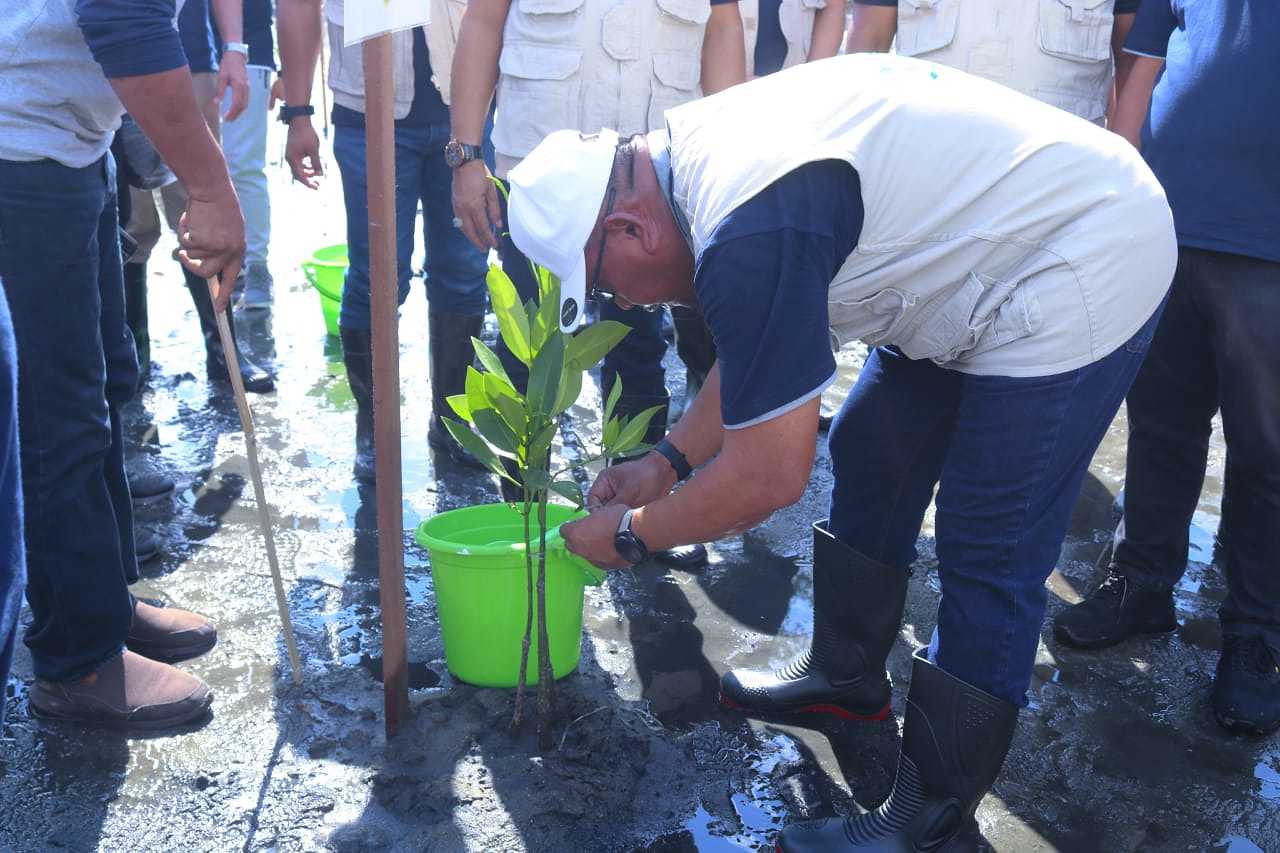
[(1009, 456), (13, 569), (1217, 349), (60, 262)]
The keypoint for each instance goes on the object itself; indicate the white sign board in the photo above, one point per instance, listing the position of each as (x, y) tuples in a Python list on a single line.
[(364, 19)]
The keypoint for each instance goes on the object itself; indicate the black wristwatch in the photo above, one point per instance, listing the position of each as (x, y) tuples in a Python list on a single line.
[(456, 153), (288, 114), (677, 459), (627, 543)]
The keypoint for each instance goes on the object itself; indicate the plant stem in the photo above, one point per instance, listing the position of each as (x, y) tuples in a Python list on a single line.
[(528, 620), (545, 676)]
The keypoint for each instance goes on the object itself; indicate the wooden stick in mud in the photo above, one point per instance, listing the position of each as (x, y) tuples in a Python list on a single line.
[(255, 473), (379, 81)]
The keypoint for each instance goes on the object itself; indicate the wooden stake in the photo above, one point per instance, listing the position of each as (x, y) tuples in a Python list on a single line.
[(379, 121), (255, 473)]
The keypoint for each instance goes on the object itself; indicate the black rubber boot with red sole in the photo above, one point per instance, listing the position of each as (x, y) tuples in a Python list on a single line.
[(857, 607)]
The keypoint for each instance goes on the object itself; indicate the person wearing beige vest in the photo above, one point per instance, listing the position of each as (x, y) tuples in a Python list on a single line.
[(1008, 263), (455, 270), (586, 64), (1062, 52)]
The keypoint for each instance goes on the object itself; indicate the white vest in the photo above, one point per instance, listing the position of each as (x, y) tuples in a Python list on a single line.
[(592, 64), (1000, 236), (1057, 51), (346, 64), (795, 17)]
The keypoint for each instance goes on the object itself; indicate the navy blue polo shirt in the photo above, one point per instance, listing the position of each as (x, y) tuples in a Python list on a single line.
[(1215, 118), (762, 283), (256, 25), (196, 31), (428, 107), (129, 38)]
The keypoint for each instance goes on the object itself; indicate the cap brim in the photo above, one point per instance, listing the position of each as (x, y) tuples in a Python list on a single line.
[(573, 296)]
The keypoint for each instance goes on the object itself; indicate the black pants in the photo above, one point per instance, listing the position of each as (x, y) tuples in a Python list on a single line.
[(1217, 349)]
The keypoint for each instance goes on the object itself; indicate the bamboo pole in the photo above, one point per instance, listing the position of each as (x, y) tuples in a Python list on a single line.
[(385, 305), (255, 474)]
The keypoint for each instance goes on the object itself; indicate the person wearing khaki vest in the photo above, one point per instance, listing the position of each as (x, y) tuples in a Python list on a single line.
[(455, 269), (586, 64), (1062, 52), (783, 33)]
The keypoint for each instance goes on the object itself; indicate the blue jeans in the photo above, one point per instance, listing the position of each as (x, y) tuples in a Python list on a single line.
[(1010, 455), (1216, 350), (637, 360), (455, 268), (60, 262), (13, 570)]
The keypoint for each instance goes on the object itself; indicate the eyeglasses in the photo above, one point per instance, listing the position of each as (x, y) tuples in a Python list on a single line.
[(597, 292)]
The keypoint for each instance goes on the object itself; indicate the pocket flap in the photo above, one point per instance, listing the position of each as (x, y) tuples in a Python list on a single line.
[(814, 4), (677, 70), (549, 7), (926, 25), (539, 61), (1077, 6), (692, 11)]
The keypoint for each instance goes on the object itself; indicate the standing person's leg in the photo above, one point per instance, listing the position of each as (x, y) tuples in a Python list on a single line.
[(76, 364), (637, 361), (887, 448), (349, 151), (1170, 411), (244, 142), (13, 570), (455, 278), (1242, 298)]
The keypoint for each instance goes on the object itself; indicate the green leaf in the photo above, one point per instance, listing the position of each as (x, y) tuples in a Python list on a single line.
[(547, 321), (512, 321), (477, 399), (495, 431), (458, 402), (508, 402), (536, 479), (570, 491), (547, 284), (570, 388), (587, 347), (544, 378), (489, 360), (540, 446), (611, 428), (502, 188), (475, 445), (614, 393), (630, 436)]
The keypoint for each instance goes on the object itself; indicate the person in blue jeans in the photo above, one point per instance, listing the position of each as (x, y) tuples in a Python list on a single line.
[(455, 270), (1009, 291), (13, 570), (1210, 139), (100, 657)]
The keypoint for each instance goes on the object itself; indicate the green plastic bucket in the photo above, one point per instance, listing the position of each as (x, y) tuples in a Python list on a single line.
[(478, 565), (326, 270)]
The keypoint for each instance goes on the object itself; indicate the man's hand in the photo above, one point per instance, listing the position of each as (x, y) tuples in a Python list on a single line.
[(232, 75), (634, 483), (211, 234), (277, 94), (475, 203), (302, 152), (592, 537)]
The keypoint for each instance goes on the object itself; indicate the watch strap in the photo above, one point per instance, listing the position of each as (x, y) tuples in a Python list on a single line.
[(677, 459), (236, 47), (288, 114)]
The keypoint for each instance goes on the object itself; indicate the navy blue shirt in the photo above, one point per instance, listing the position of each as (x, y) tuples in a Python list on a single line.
[(1215, 118), (428, 107), (197, 36), (257, 17), (129, 38), (762, 283)]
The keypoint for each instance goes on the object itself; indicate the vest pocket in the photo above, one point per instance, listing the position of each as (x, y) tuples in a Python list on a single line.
[(925, 25), (981, 314), (675, 82), (537, 94), (681, 24), (549, 21), (1076, 29), (875, 320)]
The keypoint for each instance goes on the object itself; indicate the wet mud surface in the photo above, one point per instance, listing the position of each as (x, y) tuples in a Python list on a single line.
[(1117, 750)]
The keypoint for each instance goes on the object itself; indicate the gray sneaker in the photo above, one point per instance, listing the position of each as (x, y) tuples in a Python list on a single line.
[(257, 287)]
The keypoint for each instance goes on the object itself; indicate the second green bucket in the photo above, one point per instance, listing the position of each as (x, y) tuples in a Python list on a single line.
[(478, 566)]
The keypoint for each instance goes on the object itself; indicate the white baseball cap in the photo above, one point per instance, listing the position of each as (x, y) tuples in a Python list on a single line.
[(556, 193)]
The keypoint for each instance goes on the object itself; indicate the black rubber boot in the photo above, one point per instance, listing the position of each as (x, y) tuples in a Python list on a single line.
[(857, 607), (1115, 611), (135, 312), (449, 338), (1246, 686), (954, 742), (357, 354), (256, 380)]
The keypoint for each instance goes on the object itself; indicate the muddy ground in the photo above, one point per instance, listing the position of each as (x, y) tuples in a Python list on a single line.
[(1116, 751)]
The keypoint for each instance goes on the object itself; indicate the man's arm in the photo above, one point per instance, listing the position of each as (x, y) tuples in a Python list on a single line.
[(828, 31), (1133, 99), (299, 27), (135, 43), (475, 74), (228, 15), (1145, 43), (724, 50), (1123, 61), (873, 28)]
